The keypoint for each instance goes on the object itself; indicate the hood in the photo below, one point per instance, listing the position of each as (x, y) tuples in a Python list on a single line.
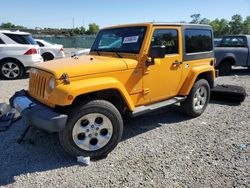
[(83, 65)]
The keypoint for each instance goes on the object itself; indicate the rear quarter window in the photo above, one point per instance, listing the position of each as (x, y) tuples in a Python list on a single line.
[(40, 44), (198, 40), (21, 39)]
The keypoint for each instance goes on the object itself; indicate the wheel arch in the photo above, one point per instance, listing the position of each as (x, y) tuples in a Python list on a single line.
[(11, 59), (207, 76), (230, 59), (111, 95), (48, 53), (97, 88), (207, 73)]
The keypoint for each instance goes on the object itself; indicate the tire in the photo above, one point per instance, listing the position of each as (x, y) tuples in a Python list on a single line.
[(225, 68), (195, 109), (11, 69), (92, 130), (47, 56)]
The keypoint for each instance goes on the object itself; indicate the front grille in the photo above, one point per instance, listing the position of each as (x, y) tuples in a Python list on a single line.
[(37, 84)]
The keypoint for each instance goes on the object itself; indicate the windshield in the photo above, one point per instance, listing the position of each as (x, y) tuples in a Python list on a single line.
[(127, 40)]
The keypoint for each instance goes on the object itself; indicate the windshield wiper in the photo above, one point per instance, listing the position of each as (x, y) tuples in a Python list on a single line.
[(117, 53), (98, 52)]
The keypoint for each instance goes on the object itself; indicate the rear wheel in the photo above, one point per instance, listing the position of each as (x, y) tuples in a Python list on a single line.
[(197, 100), (93, 129), (47, 57), (11, 69), (225, 68)]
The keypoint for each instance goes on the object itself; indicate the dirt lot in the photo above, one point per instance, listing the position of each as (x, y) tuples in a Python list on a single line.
[(161, 149)]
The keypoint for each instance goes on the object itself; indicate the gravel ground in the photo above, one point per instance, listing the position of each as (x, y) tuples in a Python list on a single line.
[(161, 149)]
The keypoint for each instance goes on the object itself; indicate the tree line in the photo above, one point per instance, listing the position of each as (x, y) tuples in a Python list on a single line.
[(221, 27), (92, 29)]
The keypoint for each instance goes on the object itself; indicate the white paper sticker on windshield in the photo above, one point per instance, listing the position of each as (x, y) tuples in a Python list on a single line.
[(132, 39)]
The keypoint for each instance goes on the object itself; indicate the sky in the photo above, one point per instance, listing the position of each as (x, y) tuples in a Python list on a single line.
[(69, 13)]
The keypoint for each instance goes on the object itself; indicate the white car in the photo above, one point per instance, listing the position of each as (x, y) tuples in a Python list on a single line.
[(18, 51), (50, 51)]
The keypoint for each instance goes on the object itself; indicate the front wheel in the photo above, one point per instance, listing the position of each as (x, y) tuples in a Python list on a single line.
[(197, 100), (93, 129)]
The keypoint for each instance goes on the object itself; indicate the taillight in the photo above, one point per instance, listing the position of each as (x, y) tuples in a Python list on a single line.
[(31, 51), (61, 50)]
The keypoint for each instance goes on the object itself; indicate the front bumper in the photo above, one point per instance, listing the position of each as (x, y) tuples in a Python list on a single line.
[(37, 114)]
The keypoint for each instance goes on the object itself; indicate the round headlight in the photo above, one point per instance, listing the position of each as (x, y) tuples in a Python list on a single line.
[(52, 83)]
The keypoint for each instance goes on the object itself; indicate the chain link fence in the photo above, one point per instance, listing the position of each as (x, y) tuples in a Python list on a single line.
[(84, 41)]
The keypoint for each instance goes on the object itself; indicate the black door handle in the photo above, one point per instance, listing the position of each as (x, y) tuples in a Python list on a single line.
[(176, 63)]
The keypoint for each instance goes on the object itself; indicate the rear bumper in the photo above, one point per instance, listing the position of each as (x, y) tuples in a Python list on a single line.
[(37, 114), (59, 55), (29, 60)]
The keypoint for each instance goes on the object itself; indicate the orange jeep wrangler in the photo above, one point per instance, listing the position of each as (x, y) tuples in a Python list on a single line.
[(132, 69)]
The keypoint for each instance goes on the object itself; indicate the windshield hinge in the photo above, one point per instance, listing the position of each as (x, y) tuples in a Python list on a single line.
[(65, 78)]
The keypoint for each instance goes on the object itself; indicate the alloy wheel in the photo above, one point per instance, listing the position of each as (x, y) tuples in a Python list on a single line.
[(200, 98), (92, 131), (10, 70)]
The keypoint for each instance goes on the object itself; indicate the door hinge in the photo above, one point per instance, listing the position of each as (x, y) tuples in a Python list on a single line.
[(145, 91)]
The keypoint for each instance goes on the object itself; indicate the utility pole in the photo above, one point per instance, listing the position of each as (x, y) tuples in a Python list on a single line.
[(73, 22)]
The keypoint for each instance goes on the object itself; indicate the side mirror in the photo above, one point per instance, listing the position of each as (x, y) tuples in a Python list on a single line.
[(156, 52)]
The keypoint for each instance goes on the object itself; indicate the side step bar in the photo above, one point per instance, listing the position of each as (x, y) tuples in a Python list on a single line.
[(149, 108)]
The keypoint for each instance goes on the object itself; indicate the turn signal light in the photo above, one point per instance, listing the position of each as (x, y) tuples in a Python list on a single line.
[(70, 97)]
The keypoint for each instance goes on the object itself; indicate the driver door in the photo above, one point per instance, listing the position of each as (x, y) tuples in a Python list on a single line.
[(162, 80)]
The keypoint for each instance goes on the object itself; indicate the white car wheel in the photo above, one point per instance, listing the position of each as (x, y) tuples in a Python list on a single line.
[(11, 70)]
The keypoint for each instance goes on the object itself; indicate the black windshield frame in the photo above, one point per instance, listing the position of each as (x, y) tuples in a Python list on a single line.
[(95, 46)]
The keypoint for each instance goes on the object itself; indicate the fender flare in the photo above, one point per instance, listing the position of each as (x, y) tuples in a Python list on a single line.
[(227, 56), (76, 88), (193, 75)]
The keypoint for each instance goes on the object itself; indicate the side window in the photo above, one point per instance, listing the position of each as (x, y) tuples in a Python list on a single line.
[(198, 40), (21, 39), (238, 41), (167, 38), (233, 42), (226, 42), (1, 41), (40, 44), (18, 39)]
